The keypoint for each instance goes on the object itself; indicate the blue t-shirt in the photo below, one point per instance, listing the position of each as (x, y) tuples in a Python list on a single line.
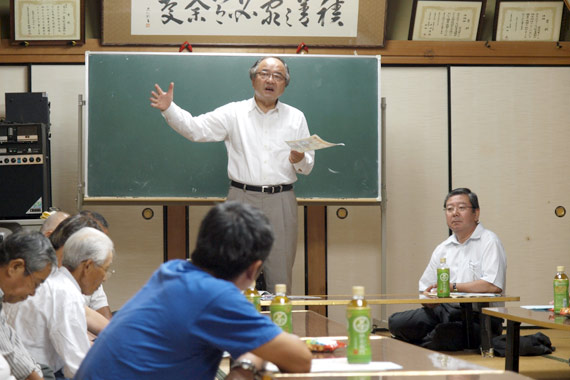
[(177, 327)]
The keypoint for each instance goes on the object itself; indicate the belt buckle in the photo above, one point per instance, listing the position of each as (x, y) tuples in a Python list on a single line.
[(263, 188)]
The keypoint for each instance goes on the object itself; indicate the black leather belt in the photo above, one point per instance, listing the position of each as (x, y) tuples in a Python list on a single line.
[(263, 189)]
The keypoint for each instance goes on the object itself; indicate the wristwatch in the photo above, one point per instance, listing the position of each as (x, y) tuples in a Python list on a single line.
[(455, 286), (244, 364)]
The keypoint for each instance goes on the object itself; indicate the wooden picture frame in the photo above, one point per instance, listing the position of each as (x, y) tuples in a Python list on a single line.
[(154, 23), (543, 19), (428, 21), (47, 22)]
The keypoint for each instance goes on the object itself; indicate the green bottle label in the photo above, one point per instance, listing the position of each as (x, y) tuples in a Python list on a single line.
[(359, 326), (255, 300), (560, 294), (442, 282), (281, 316)]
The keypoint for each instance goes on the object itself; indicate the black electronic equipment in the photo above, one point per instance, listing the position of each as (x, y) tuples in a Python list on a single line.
[(25, 186)]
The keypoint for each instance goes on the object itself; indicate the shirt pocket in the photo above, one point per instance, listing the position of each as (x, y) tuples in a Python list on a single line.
[(475, 269)]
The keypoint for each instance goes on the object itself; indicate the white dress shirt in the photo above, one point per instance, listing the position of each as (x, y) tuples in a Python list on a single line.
[(97, 300), (481, 257), (52, 323), (5, 370), (12, 350), (255, 141)]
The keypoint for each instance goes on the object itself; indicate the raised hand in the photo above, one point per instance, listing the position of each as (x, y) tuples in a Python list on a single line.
[(160, 99)]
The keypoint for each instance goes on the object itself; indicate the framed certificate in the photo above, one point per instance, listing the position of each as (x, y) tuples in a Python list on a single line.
[(447, 20), (538, 20), (47, 22)]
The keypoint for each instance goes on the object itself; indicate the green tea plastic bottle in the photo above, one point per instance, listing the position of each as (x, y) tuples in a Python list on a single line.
[(280, 309), (253, 296), (359, 326), (442, 279), (560, 289)]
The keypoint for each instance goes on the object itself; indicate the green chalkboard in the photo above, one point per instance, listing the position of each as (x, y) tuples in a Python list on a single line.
[(131, 153)]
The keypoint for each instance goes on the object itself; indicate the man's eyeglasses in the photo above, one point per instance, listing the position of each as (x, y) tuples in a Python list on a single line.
[(277, 77), (460, 208), (34, 279), (109, 272)]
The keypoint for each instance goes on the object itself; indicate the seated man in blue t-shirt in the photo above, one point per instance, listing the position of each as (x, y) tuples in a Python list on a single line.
[(179, 324)]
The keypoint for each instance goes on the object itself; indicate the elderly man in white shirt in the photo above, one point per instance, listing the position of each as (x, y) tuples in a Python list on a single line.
[(261, 166), (477, 263), (53, 326), (26, 260)]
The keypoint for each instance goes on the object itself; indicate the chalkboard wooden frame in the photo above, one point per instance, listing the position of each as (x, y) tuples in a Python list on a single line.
[(127, 144)]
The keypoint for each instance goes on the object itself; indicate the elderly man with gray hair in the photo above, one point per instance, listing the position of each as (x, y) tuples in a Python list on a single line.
[(53, 326), (26, 260)]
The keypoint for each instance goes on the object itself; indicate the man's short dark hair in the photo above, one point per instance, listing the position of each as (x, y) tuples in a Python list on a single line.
[(31, 246), (232, 236), (97, 217), (463, 190), (70, 226)]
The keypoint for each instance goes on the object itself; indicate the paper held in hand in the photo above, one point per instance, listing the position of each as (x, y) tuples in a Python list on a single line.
[(310, 143)]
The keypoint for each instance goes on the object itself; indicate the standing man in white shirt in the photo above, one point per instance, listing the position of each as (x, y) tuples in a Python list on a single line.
[(261, 166), (53, 327), (477, 264)]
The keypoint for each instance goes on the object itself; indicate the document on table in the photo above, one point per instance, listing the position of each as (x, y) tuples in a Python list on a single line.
[(471, 295), (310, 143), (342, 365), (538, 307), (265, 295)]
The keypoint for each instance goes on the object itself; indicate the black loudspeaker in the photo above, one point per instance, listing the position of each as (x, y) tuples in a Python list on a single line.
[(27, 107), (25, 180), (25, 186)]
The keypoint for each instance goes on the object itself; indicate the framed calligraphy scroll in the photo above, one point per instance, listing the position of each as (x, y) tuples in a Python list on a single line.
[(446, 20), (538, 20), (47, 22), (244, 23)]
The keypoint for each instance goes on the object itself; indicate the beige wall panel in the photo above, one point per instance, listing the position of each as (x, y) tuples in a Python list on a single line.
[(510, 145), (138, 242), (62, 84), (138, 246), (416, 172), (353, 254), (12, 79)]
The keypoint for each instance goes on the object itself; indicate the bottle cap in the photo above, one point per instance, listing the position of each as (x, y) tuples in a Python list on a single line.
[(442, 260), (358, 291), (560, 268), (280, 288)]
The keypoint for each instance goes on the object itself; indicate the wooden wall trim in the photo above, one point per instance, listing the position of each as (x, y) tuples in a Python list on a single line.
[(394, 52), (176, 232), (316, 260)]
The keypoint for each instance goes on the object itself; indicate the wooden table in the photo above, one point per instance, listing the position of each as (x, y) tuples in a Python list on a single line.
[(452, 375), (466, 304), (517, 315), (392, 299), (416, 361)]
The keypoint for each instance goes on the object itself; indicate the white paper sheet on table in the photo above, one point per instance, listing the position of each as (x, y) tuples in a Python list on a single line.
[(342, 365)]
